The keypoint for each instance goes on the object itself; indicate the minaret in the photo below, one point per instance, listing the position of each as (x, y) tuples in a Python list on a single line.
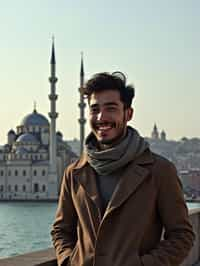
[(82, 107), (155, 133), (53, 179)]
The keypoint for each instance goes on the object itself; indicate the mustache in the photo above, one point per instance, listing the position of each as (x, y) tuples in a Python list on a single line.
[(97, 124)]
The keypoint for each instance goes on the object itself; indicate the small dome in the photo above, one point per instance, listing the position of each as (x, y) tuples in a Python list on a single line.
[(11, 132), (27, 138), (58, 133), (35, 119)]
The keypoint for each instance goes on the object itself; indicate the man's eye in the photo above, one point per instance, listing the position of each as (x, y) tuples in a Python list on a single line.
[(111, 109), (94, 110)]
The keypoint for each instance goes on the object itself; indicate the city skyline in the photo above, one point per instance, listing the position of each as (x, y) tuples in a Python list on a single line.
[(156, 46)]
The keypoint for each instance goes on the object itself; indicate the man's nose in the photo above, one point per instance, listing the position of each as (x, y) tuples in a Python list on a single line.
[(101, 116)]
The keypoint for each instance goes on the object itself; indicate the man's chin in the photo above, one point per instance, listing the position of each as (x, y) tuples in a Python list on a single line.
[(110, 141), (105, 141)]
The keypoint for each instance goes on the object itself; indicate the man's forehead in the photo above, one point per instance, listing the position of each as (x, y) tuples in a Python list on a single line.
[(105, 97)]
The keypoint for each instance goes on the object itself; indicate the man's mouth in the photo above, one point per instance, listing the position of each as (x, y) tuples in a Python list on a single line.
[(104, 126)]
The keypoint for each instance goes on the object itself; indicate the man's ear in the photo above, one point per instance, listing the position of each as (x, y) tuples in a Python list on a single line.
[(129, 113)]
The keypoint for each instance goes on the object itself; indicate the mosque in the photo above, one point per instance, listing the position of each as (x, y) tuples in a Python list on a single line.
[(35, 155)]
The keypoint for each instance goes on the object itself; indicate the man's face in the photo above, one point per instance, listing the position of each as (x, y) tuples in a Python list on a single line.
[(108, 117)]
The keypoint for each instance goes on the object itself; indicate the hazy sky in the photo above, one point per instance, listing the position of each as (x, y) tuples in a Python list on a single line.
[(156, 43)]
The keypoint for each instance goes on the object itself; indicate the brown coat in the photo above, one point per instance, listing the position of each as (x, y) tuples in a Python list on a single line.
[(148, 198)]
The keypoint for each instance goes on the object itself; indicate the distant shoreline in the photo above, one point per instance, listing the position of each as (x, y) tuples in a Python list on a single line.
[(28, 200)]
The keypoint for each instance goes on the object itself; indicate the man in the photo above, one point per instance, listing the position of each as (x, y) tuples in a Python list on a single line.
[(116, 200)]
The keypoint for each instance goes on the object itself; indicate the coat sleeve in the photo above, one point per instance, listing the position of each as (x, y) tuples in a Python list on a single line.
[(173, 212), (64, 228)]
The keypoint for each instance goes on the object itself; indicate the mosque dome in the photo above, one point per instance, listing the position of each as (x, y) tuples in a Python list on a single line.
[(35, 119), (11, 132), (27, 138)]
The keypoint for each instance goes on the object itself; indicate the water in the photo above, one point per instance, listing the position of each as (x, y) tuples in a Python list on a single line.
[(25, 226), (193, 205)]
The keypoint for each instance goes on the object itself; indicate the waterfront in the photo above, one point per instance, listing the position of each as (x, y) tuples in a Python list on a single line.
[(25, 226)]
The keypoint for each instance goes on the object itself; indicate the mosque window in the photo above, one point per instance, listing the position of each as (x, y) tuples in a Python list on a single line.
[(24, 172), (43, 172), (16, 173), (9, 188), (16, 188), (1, 188), (36, 187), (2, 173), (24, 188), (35, 172), (43, 188)]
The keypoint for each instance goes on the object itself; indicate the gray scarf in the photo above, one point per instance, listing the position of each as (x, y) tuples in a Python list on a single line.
[(107, 161)]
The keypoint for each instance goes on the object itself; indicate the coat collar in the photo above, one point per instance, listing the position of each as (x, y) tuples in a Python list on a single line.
[(133, 175)]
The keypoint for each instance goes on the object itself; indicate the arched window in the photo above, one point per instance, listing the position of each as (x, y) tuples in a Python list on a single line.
[(35, 172), (16, 188), (1, 188), (36, 187), (24, 188), (16, 173), (9, 188), (43, 188), (24, 172), (43, 172)]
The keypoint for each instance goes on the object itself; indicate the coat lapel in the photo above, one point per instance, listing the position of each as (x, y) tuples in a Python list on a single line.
[(128, 184), (132, 177), (87, 178)]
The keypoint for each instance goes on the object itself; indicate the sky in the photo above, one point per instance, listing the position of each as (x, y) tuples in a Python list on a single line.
[(155, 43)]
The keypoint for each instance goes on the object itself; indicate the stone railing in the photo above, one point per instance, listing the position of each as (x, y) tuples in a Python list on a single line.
[(194, 255), (39, 258), (47, 257)]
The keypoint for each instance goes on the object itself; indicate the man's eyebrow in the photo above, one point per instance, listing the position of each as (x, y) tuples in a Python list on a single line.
[(111, 103), (105, 104)]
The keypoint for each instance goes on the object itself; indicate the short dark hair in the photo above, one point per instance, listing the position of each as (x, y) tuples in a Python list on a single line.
[(106, 81)]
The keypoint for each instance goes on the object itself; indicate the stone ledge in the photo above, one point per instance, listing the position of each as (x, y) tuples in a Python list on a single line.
[(39, 258)]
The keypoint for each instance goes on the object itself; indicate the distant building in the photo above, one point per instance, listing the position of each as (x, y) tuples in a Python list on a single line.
[(155, 134), (35, 155), (185, 153), (75, 145), (163, 135)]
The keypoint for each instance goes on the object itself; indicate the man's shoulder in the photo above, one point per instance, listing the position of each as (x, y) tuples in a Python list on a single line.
[(162, 165), (76, 165), (161, 159)]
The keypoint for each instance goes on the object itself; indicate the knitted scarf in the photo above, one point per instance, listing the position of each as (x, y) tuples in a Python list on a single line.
[(106, 161)]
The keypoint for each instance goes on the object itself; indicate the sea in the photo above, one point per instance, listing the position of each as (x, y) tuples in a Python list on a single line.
[(25, 226)]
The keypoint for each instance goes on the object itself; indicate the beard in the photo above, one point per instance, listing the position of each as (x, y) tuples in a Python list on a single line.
[(114, 140), (120, 132)]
